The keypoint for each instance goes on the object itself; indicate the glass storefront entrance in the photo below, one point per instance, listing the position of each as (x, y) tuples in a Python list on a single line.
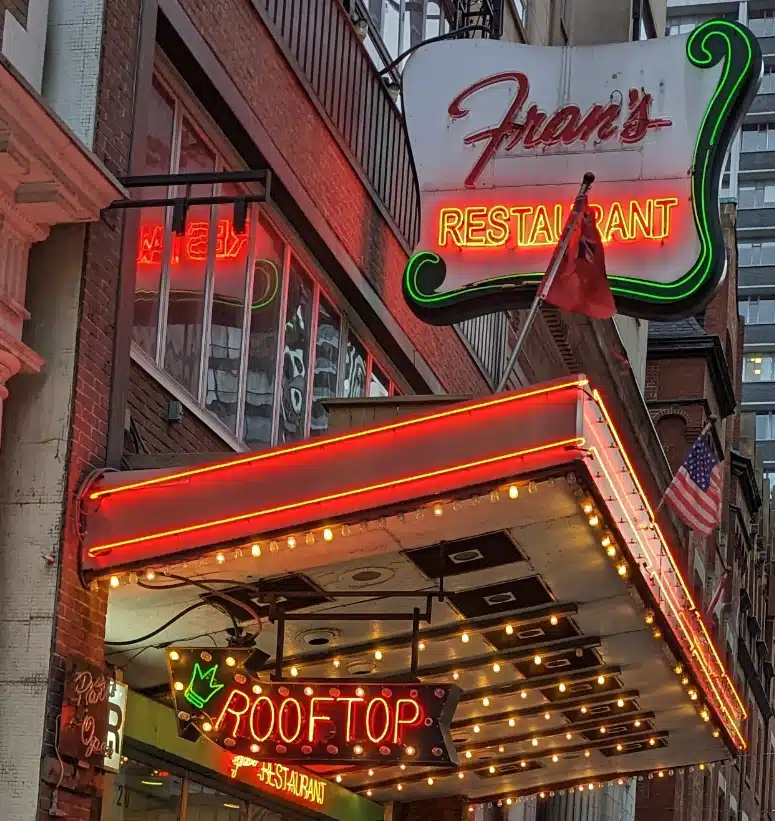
[(143, 792)]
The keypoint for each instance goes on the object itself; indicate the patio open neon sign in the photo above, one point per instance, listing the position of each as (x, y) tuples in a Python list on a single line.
[(193, 246), (312, 722), (501, 135)]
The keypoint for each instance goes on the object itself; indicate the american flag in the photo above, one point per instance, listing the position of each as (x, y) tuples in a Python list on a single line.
[(695, 492)]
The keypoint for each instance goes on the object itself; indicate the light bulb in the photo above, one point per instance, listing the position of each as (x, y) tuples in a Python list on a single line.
[(485, 702), (501, 749), (649, 617), (562, 688), (636, 723), (547, 716), (220, 558), (207, 726), (523, 764), (509, 630), (150, 575), (328, 534), (594, 521), (254, 748), (421, 646), (652, 742), (339, 779), (115, 581), (438, 510), (601, 680), (622, 569), (456, 675), (619, 748), (679, 668), (602, 731), (294, 672), (310, 538), (476, 728), (399, 787), (257, 689), (174, 655), (371, 772), (291, 542), (583, 711), (369, 793), (402, 766), (587, 753), (513, 492), (611, 551), (555, 758), (378, 655), (308, 691), (620, 702), (605, 541), (469, 754), (410, 751), (568, 736), (336, 663), (179, 685), (357, 749), (496, 668), (230, 661), (534, 742), (523, 694), (554, 621), (430, 782), (461, 775), (512, 722), (465, 638), (492, 769), (587, 508), (537, 661), (255, 550)]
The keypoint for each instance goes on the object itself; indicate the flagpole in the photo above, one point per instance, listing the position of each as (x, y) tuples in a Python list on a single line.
[(546, 282)]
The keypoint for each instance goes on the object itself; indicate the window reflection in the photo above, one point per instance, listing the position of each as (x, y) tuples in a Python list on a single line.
[(262, 342), (142, 793), (225, 350), (326, 374), (188, 267), (355, 367), (158, 151), (293, 401), (208, 804), (378, 384)]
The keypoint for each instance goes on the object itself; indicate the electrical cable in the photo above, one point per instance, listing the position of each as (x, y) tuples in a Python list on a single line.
[(161, 629)]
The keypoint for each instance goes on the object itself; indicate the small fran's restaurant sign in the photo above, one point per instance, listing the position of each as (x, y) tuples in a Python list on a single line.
[(308, 721), (93, 717), (502, 134)]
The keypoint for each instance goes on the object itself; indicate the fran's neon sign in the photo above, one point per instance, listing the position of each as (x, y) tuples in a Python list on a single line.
[(501, 133), (533, 226), (316, 722), (193, 246)]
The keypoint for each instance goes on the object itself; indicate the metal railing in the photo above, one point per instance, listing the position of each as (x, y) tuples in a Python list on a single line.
[(487, 339), (320, 37)]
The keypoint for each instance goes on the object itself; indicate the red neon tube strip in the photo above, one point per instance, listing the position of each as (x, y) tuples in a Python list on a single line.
[(358, 434), (562, 444)]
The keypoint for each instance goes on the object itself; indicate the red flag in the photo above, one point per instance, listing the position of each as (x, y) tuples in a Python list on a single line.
[(581, 283)]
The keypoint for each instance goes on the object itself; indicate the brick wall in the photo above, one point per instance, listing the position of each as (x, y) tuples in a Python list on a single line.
[(80, 613), (265, 79)]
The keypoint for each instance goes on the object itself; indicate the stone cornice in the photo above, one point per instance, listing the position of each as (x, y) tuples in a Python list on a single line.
[(47, 176)]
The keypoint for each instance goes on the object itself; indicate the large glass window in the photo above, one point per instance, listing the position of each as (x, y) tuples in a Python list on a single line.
[(762, 22), (755, 253), (757, 311), (758, 368), (208, 804), (421, 20), (758, 137), (765, 427), (229, 312), (143, 793)]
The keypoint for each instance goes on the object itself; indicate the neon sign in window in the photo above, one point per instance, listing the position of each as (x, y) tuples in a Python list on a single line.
[(534, 226), (193, 245)]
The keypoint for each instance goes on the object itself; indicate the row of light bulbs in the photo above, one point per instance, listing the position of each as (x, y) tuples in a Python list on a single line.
[(327, 533), (581, 787), (608, 543)]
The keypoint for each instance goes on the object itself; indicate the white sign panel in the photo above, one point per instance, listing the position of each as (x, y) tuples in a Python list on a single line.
[(117, 698), (502, 134)]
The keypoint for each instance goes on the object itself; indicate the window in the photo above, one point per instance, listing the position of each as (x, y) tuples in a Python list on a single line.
[(758, 137), (520, 8), (762, 22), (765, 427), (758, 367), (758, 311), (756, 195), (235, 317), (421, 20), (756, 253), (143, 793), (685, 25), (642, 21), (768, 81)]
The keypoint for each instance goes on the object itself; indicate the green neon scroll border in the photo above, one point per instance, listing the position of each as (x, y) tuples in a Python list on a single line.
[(742, 59)]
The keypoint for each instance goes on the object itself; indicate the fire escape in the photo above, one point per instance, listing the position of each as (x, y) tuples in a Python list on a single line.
[(485, 13)]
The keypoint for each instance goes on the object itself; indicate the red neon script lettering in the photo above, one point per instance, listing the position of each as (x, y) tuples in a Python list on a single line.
[(565, 126), (193, 245)]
